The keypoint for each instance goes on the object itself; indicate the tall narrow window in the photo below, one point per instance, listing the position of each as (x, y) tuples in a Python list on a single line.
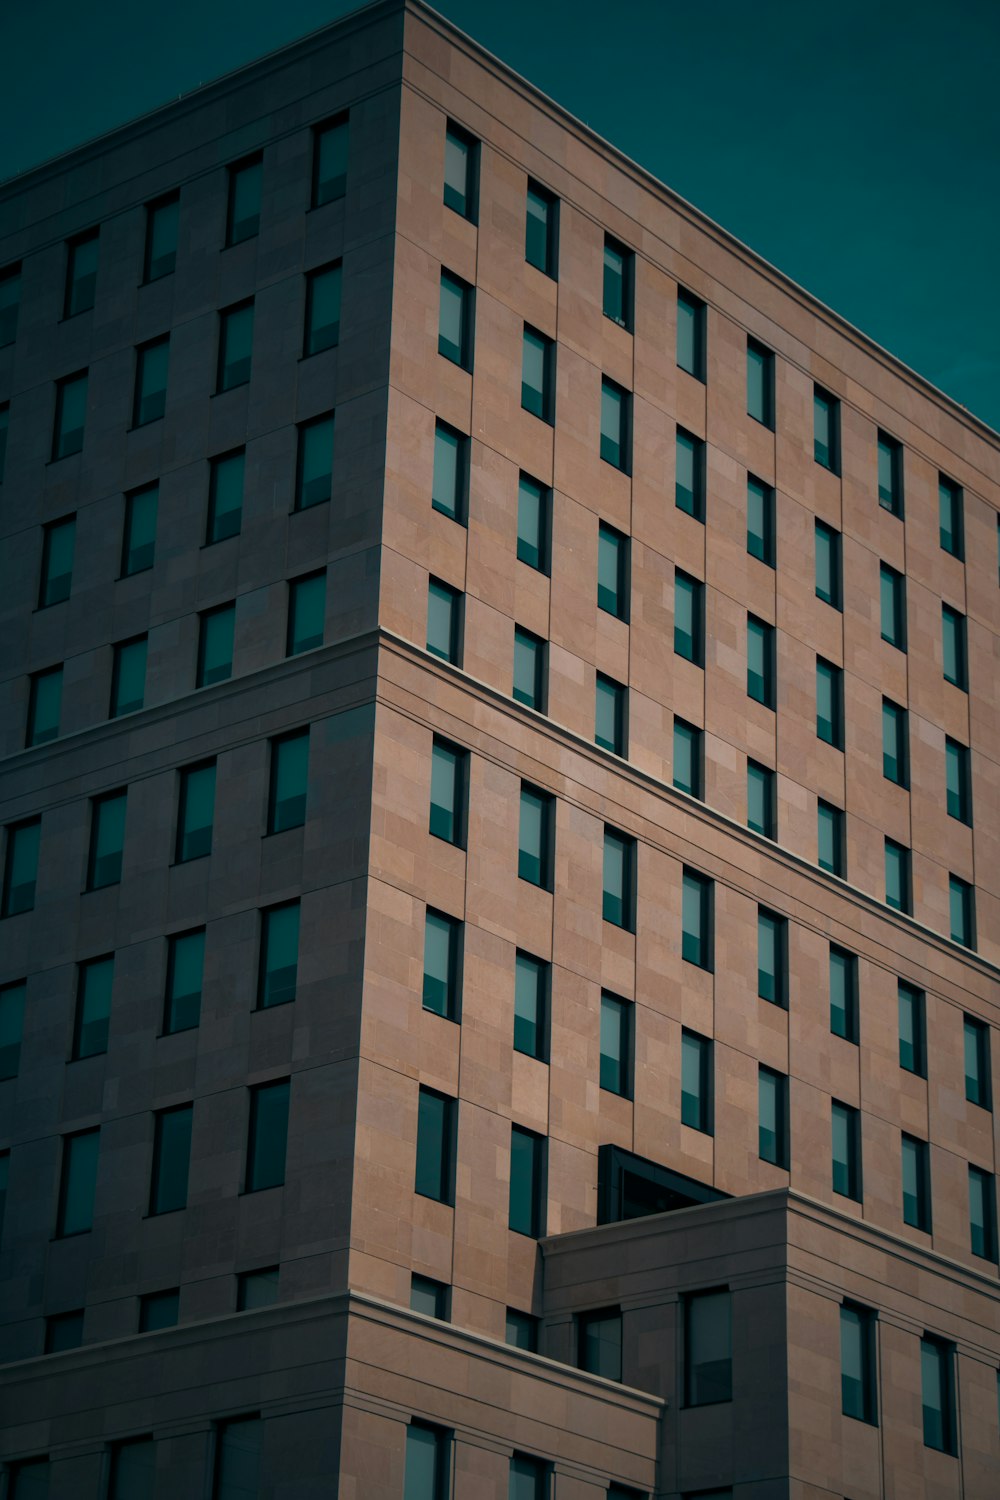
[(688, 759), (958, 781), (843, 993), (689, 476), (951, 529), (195, 812), (322, 309), (461, 158), (772, 957), (691, 334), (829, 703), (150, 398), (761, 800), (428, 1462), (976, 1043), (961, 911), (171, 1159), (526, 1210), (708, 1348), (912, 1046), (538, 375), (314, 468), (529, 1478), (160, 257), (20, 871), (455, 328), (937, 1380), (435, 1167), (772, 1116), (857, 1363), (612, 571), (71, 415), (828, 565), (890, 474), (898, 878), (611, 715), (760, 662), (541, 232), (12, 998), (689, 618), (696, 1082), (243, 211), (133, 1465), (982, 1214), (444, 621), (268, 1135), (534, 845), (448, 783), (10, 298), (330, 144), (760, 383), (450, 484), (286, 799), (139, 533), (892, 600), (93, 1007), (107, 840), (830, 840), (696, 924), (128, 677), (616, 413), (760, 520), (529, 669), (618, 278), (225, 496), (618, 904), (237, 1459), (531, 1005), (442, 964), (44, 706), (954, 651), (616, 1045), (81, 274), (846, 1153), (235, 346), (895, 743), (826, 430), (306, 613), (534, 507), (4, 424), (185, 969), (78, 1183), (916, 1173), (279, 955)]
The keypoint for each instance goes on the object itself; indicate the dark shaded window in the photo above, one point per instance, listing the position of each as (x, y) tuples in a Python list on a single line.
[(4, 424), (696, 1082), (243, 210), (107, 840), (952, 528), (314, 468), (760, 661), (982, 1214), (829, 703), (691, 339), (78, 1183), (858, 1389), (535, 837), (529, 1479), (435, 1164), (895, 743), (139, 532), (843, 993), (892, 601), (619, 276), (612, 571), (306, 613), (538, 375), (151, 365), (279, 955), (128, 677), (761, 801), (330, 144), (826, 430), (237, 1459), (760, 520), (323, 288), (689, 759), (444, 621), (44, 706), (195, 812), (71, 415), (522, 1330), (760, 383), (689, 478), (526, 1211), (618, 904), (912, 1044), (4, 1177), (846, 1150), (890, 474), (450, 485), (442, 964), (64, 1331), (257, 1288), (428, 1462), (829, 568), (12, 998), (954, 650), (611, 715), (10, 298), (976, 1045), (455, 328), (831, 843), (937, 1380), (20, 871), (289, 781), (599, 1342), (215, 645), (772, 1116), (689, 618), (961, 911), (916, 1175), (29, 1480), (958, 780), (534, 507), (93, 1007), (529, 669), (133, 1466), (772, 957), (429, 1297), (541, 229), (616, 425), (268, 1135), (448, 797), (171, 1159), (708, 1348), (531, 1005), (158, 1310), (225, 496), (185, 969), (160, 256), (616, 1045), (81, 274), (235, 346), (461, 174), (696, 920), (898, 878)]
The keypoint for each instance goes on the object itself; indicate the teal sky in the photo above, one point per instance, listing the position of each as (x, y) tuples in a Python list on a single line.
[(855, 144)]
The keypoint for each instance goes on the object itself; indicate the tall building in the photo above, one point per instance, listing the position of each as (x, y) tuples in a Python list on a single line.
[(501, 897)]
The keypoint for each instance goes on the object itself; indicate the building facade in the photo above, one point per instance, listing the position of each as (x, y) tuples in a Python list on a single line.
[(501, 900)]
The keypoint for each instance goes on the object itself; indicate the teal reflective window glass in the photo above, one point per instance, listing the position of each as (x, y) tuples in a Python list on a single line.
[(20, 867), (618, 906), (185, 969), (689, 618), (237, 1465), (760, 383), (531, 991), (286, 802), (152, 362), (690, 334), (442, 953), (71, 414), (828, 565), (760, 520), (10, 298), (529, 669), (937, 1394), (892, 602), (428, 1296), (538, 375), (455, 325), (427, 1474), (760, 799), (527, 1173), (79, 1182), (616, 1045), (215, 645), (235, 346), (689, 479), (982, 1214), (279, 955), (826, 430), (615, 404), (534, 846), (760, 661), (696, 1091), (529, 1479), (268, 1136), (243, 218), (460, 160), (44, 706), (4, 424), (610, 716), (444, 621), (225, 496), (958, 781), (107, 840), (447, 817), (93, 1007), (912, 1054), (961, 910), (533, 507), (81, 275), (617, 288), (323, 291), (12, 998), (599, 1343), (133, 1468), (843, 993), (451, 472), (306, 613), (258, 1288), (976, 1042), (845, 1135), (953, 647), (128, 677), (139, 535), (951, 529), (772, 957), (161, 238), (829, 703), (195, 812), (435, 1166), (612, 571), (522, 1330), (772, 1117), (708, 1348), (830, 838), (314, 470), (897, 876), (330, 147), (895, 743), (890, 474), (696, 919), (171, 1159), (916, 1183), (541, 229), (857, 1363), (688, 757)]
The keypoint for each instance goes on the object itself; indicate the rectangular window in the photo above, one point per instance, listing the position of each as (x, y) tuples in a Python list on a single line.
[(139, 531), (314, 469), (215, 645), (286, 801), (78, 1183), (958, 781), (11, 1027), (10, 297), (279, 955), (696, 1082), (846, 1141), (616, 1045), (599, 1342), (916, 1172), (618, 280), (157, 1310), (826, 430), (444, 621), (912, 1045), (461, 160), (107, 840), (541, 229), (857, 1364), (976, 1043), (760, 520), (829, 570), (954, 652), (160, 256), (530, 1478), (890, 474), (4, 423), (235, 346), (448, 782), (689, 475), (538, 375), (895, 743), (534, 507), (455, 328), (691, 334), (185, 969), (688, 759), (306, 613), (322, 329), (526, 1211), (982, 1214), (4, 1175), (429, 1297), (708, 1348), (237, 1459), (616, 425), (772, 1116), (330, 143), (442, 964), (450, 484), (892, 599), (225, 496), (171, 1159), (898, 879), (29, 1480), (81, 274), (772, 957), (435, 1162), (843, 993), (71, 415), (428, 1461), (64, 1331), (697, 944), (243, 212), (831, 850), (20, 867), (952, 529), (618, 904), (612, 571), (44, 706), (150, 397), (522, 1330), (531, 1006), (961, 911), (760, 383), (133, 1466), (195, 812), (257, 1288), (829, 703), (534, 844), (689, 618), (529, 669), (268, 1135), (760, 662), (761, 800), (128, 677), (937, 1381), (93, 1007), (611, 715)]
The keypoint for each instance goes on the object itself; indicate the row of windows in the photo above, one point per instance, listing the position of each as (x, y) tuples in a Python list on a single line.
[(859, 1377)]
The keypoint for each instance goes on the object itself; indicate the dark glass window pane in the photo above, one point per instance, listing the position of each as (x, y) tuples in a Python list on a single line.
[(139, 536), (760, 661), (619, 880), (185, 968), (760, 383), (541, 229), (958, 781), (64, 1331), (12, 998), (772, 962), (953, 647), (435, 1175), (696, 1082), (442, 946), (708, 1348), (617, 283), (696, 946), (826, 433), (529, 1479), (533, 505), (529, 669), (600, 1343), (225, 496), (760, 520), (895, 748), (322, 309), (952, 530), (982, 1214), (257, 1289), (447, 814), (456, 317), (314, 474), (531, 989), (760, 799), (534, 862), (538, 375), (460, 153), (451, 472), (687, 758), (427, 1463), (215, 646), (843, 994), (429, 1297), (525, 1212), (4, 423), (911, 1029), (615, 438), (689, 485), (235, 346), (772, 1117), (79, 1181), (44, 706), (892, 597), (171, 1159), (128, 677), (616, 1048), (10, 297), (161, 238), (830, 838), (289, 781), (134, 1468), (690, 334), (916, 1184), (897, 876), (444, 618), (857, 1364), (93, 1007), (71, 414), (107, 840), (152, 363), (937, 1395), (268, 1136), (828, 569), (306, 613), (237, 1469), (961, 911), (846, 1151), (196, 811), (829, 703), (890, 475), (244, 201), (20, 867), (81, 275), (279, 955), (522, 1330), (611, 714), (689, 618), (330, 162), (612, 572), (976, 1042)]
